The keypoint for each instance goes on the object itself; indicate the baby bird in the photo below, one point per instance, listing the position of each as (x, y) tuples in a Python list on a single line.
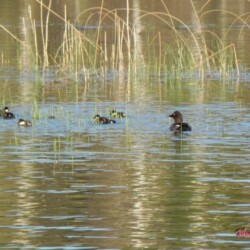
[(24, 123), (7, 114), (115, 114), (102, 120), (178, 125)]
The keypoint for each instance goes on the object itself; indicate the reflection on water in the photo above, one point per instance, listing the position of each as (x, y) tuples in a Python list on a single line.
[(69, 184), (130, 184)]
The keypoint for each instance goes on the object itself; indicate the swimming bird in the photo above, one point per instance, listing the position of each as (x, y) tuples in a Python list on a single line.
[(115, 114), (102, 120), (7, 114), (179, 125), (24, 123)]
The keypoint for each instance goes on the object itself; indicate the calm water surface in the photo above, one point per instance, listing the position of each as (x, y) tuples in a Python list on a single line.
[(66, 183)]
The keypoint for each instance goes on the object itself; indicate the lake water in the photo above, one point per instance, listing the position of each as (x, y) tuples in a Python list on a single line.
[(66, 183)]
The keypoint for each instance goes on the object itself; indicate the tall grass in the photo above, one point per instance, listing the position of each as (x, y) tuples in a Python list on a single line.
[(120, 46)]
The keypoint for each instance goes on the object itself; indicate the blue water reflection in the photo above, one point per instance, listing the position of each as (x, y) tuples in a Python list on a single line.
[(133, 183)]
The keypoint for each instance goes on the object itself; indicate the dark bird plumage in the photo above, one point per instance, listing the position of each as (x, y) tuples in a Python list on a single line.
[(178, 125), (102, 120), (24, 123), (7, 114), (115, 114)]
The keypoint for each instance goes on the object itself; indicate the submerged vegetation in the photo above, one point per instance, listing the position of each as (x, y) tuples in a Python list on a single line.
[(119, 45)]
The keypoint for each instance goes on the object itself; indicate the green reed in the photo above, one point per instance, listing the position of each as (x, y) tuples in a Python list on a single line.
[(56, 149), (35, 111), (133, 51)]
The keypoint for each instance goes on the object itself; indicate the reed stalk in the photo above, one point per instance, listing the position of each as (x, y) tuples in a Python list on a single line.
[(36, 113), (88, 52)]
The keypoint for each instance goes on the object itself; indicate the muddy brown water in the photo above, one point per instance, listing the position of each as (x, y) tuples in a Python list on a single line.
[(66, 183)]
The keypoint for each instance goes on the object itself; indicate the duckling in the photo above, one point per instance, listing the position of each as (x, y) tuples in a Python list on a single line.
[(115, 114), (24, 123), (7, 114), (102, 120), (179, 125), (2, 111)]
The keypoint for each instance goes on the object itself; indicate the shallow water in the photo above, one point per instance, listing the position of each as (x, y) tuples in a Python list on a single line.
[(66, 183)]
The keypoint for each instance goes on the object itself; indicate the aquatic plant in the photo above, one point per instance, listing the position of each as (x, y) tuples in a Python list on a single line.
[(119, 46), (36, 113), (57, 147)]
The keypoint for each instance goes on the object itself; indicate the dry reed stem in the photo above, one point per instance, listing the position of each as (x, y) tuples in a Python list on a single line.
[(79, 53)]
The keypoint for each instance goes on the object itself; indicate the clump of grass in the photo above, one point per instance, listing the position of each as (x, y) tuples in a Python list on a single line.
[(119, 45)]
